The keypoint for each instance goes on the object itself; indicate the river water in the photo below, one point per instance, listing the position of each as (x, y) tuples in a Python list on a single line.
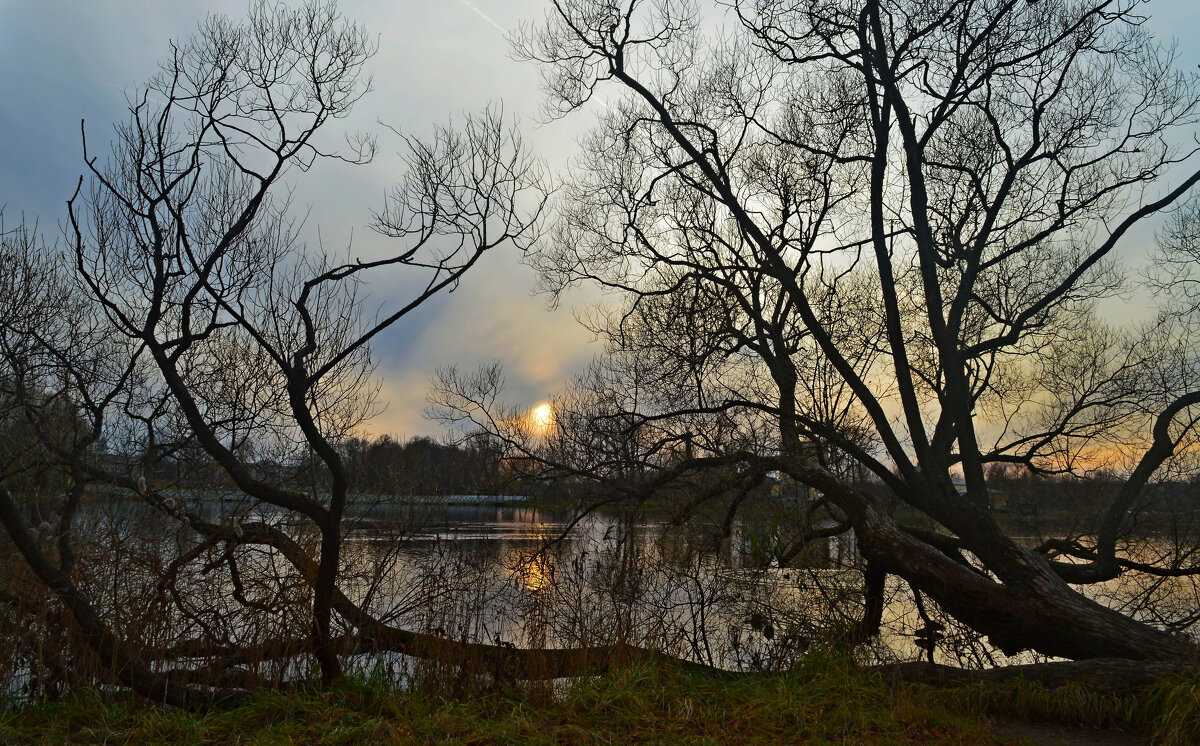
[(686, 590), (515, 575), (727, 602)]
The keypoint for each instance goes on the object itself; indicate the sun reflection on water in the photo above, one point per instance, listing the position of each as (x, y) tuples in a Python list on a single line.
[(535, 573)]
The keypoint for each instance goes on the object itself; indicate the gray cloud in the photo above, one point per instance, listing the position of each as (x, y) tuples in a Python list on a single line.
[(68, 60)]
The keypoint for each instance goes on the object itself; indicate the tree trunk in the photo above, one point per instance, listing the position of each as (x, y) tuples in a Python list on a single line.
[(1034, 610), (323, 591), (1029, 608)]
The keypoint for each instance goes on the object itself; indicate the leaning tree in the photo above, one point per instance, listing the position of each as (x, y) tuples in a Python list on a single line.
[(893, 232)]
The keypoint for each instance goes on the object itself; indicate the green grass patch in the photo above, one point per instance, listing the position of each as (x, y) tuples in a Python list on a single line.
[(826, 700)]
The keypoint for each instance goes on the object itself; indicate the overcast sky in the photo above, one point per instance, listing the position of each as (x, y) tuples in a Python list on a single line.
[(67, 60)]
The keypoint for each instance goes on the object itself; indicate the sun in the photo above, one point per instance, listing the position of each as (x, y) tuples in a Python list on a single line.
[(541, 417)]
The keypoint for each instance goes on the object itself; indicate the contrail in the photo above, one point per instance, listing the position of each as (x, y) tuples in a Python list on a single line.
[(484, 16)]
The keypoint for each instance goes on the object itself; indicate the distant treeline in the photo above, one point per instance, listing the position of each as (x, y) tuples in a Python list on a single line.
[(422, 466), (383, 465), (1015, 491)]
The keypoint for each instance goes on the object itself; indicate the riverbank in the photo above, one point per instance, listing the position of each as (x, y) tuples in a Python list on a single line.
[(825, 701)]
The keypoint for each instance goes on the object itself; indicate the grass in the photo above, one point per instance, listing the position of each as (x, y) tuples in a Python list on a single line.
[(1167, 713), (828, 700)]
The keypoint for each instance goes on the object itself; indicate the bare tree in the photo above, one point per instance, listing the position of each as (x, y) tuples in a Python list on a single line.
[(886, 227), (228, 337)]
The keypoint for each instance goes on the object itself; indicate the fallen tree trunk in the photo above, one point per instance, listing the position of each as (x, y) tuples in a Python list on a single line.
[(539, 664), (500, 662), (1022, 604)]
